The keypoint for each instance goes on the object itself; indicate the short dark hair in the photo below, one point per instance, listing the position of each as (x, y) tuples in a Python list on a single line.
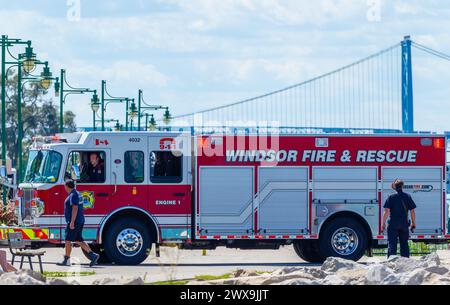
[(70, 184), (398, 185)]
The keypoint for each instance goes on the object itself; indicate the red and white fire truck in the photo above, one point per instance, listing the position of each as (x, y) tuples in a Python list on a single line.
[(323, 194)]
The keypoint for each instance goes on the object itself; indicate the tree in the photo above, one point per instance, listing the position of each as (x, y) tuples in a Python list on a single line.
[(39, 115)]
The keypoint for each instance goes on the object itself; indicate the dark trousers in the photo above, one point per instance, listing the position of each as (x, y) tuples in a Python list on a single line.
[(398, 232)]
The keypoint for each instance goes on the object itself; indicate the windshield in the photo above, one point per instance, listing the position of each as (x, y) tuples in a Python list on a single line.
[(43, 166)]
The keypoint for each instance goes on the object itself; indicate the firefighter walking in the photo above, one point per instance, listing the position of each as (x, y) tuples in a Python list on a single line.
[(396, 208)]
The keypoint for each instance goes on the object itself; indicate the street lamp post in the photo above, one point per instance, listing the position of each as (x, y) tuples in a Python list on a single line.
[(142, 109), (63, 93), (106, 99), (45, 80), (29, 64)]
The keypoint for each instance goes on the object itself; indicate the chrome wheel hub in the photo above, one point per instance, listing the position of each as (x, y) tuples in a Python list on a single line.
[(129, 242), (344, 241)]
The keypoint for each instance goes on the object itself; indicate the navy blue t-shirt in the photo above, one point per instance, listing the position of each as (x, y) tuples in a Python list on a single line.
[(71, 200), (399, 204)]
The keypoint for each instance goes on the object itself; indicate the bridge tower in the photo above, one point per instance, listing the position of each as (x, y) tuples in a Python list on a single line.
[(407, 87)]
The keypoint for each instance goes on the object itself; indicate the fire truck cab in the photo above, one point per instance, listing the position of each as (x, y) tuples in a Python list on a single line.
[(323, 194)]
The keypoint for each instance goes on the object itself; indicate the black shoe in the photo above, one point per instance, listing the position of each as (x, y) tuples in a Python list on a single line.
[(65, 262), (94, 258)]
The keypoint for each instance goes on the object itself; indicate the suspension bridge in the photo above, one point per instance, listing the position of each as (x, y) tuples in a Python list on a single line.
[(372, 95)]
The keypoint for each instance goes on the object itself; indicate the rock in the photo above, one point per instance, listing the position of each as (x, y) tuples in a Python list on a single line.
[(441, 270), (119, 281), (392, 279), (18, 278), (317, 273), (431, 259), (242, 272), (36, 275), (299, 282), (403, 264), (132, 281), (270, 280), (106, 281), (352, 277), (56, 281), (416, 277), (333, 279), (333, 264), (376, 274)]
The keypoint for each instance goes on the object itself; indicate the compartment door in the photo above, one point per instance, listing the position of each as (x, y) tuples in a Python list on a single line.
[(283, 200), (425, 185), (226, 200)]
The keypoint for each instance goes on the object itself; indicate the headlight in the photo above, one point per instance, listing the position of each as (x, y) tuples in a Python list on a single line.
[(37, 207)]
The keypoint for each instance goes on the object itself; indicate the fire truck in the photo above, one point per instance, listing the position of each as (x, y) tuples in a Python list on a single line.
[(323, 194)]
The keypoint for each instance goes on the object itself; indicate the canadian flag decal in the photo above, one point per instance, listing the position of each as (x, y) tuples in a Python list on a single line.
[(100, 142)]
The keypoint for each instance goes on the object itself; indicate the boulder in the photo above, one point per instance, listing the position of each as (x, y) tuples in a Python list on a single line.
[(18, 278), (57, 282), (441, 270), (299, 282), (242, 272), (403, 264), (132, 281), (352, 276), (376, 274), (317, 273), (106, 281), (431, 259), (415, 277), (36, 275), (333, 264), (334, 280)]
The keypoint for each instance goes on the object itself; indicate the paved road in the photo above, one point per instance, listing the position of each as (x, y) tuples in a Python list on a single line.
[(181, 264)]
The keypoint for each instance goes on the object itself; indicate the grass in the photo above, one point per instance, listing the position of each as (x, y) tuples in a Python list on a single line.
[(67, 274), (416, 249), (198, 278)]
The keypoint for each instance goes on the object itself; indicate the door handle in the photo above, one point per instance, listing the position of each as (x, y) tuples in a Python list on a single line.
[(102, 194), (179, 194)]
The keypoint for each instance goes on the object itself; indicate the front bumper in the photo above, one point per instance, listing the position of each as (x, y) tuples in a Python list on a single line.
[(30, 234)]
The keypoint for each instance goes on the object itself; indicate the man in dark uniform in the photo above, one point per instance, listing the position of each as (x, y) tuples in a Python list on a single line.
[(74, 216), (94, 171), (396, 209)]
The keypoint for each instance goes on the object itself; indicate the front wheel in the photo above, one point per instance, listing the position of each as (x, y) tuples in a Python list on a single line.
[(127, 242), (344, 237)]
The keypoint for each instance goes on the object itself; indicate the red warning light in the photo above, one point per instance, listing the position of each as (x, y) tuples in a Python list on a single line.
[(439, 143)]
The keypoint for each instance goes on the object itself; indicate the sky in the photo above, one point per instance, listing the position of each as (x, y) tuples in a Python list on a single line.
[(196, 54)]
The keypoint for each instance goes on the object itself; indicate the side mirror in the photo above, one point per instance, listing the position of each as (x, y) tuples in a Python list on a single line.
[(75, 172), (3, 173)]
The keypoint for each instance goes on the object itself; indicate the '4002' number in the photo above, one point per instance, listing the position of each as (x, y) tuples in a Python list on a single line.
[(134, 140)]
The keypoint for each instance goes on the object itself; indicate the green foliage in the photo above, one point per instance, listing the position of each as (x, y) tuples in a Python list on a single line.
[(416, 249), (67, 274), (213, 277), (7, 216), (40, 116)]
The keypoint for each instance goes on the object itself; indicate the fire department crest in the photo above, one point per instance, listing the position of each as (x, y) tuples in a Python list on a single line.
[(88, 199)]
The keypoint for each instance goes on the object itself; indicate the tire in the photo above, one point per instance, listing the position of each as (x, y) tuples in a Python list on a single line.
[(344, 237), (103, 259), (308, 250), (121, 252)]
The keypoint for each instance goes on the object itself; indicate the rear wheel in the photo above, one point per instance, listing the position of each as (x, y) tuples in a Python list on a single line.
[(344, 237), (308, 250), (127, 241)]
